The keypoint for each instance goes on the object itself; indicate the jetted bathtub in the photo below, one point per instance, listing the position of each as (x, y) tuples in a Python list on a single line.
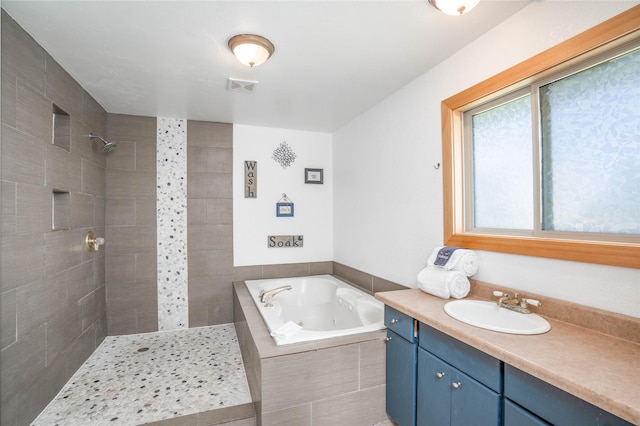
[(317, 307)]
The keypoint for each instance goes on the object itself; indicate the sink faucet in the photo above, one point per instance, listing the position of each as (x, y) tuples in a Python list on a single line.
[(515, 304), (266, 296)]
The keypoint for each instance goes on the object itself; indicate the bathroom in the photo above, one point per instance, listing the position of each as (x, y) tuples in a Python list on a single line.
[(376, 217)]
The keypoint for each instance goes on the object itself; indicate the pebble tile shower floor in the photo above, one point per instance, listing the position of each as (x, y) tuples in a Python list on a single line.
[(142, 378)]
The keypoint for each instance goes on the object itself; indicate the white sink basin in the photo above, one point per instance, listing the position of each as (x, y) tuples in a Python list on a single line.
[(489, 315)]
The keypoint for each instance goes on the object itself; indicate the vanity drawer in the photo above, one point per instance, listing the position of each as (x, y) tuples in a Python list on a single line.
[(477, 364), (552, 404), (401, 324)]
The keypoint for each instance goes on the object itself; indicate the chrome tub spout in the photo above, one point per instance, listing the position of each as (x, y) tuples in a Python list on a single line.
[(266, 296)]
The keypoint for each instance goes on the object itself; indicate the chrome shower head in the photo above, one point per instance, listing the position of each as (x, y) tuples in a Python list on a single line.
[(108, 145)]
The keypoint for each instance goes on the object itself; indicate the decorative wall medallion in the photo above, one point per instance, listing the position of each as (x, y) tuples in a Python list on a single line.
[(250, 179), (281, 241), (284, 155)]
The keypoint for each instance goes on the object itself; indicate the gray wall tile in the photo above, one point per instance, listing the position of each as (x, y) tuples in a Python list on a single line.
[(44, 273), (364, 408), (34, 113), (23, 157), (7, 318), (319, 374), (121, 211), (21, 56), (62, 89), (299, 415), (211, 135), (8, 112), (22, 260), (33, 209)]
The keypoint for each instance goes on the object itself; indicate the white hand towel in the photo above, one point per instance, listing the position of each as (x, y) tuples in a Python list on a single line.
[(286, 330), (463, 260), (443, 283)]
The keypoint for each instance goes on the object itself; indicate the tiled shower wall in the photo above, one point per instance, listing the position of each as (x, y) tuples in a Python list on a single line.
[(210, 222), (131, 272), (51, 287)]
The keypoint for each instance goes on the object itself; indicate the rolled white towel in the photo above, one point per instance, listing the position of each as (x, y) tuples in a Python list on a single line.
[(463, 260), (286, 330), (443, 283)]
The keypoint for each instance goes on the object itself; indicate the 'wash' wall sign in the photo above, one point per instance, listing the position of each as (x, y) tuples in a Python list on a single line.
[(250, 179)]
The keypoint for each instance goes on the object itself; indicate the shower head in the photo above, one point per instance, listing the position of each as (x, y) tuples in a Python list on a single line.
[(108, 146)]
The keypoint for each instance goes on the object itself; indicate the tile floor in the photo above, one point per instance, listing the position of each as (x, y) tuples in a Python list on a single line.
[(141, 378)]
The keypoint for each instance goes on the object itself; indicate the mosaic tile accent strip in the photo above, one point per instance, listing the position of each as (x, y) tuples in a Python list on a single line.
[(140, 378), (173, 302)]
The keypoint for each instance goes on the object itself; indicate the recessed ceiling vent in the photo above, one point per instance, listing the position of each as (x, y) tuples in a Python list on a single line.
[(241, 86)]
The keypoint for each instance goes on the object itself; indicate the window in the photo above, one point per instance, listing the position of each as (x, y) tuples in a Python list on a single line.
[(544, 158)]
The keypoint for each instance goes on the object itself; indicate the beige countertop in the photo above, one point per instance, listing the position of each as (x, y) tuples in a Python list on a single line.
[(593, 366)]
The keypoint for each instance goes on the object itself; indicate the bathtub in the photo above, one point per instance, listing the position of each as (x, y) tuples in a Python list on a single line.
[(317, 307)]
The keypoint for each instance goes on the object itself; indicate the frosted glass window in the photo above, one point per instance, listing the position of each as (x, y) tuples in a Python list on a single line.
[(503, 166), (590, 132)]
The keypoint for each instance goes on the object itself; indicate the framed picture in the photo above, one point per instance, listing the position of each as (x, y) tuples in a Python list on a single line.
[(314, 176), (284, 209)]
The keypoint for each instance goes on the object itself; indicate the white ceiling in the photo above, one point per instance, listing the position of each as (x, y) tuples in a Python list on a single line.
[(333, 59)]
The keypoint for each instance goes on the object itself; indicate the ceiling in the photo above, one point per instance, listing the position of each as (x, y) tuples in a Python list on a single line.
[(333, 61)]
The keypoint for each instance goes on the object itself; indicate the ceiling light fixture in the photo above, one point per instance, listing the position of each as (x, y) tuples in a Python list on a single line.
[(250, 49), (454, 7)]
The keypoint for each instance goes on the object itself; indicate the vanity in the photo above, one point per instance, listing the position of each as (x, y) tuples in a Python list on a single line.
[(441, 371)]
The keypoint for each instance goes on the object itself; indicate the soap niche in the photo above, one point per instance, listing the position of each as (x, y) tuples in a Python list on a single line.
[(61, 210), (61, 129)]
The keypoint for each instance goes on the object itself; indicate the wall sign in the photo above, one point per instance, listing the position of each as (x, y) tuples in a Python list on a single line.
[(314, 176), (281, 241), (284, 207), (250, 179)]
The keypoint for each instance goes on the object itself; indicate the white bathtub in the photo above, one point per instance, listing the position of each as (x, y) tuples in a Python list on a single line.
[(322, 305)]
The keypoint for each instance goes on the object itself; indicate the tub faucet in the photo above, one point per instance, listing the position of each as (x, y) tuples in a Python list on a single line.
[(266, 296), (515, 304)]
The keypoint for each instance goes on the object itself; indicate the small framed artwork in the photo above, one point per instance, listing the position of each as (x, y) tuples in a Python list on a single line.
[(314, 176), (284, 209)]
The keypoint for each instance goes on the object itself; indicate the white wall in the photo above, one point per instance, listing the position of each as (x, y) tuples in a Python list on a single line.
[(388, 196), (255, 218)]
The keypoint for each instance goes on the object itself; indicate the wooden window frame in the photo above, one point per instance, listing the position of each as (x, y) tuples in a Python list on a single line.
[(614, 32)]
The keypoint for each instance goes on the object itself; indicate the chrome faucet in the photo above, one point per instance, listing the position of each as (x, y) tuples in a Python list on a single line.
[(515, 304), (266, 296)]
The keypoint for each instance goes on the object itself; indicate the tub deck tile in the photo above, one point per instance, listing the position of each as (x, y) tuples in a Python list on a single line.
[(142, 378)]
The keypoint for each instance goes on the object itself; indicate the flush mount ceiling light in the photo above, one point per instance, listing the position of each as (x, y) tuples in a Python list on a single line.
[(250, 49), (454, 7)]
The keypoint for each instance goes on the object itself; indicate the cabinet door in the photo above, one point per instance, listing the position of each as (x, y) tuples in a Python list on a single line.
[(472, 403), (401, 379), (434, 390)]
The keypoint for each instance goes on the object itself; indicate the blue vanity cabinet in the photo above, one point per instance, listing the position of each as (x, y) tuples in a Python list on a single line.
[(457, 384), (546, 404), (401, 366)]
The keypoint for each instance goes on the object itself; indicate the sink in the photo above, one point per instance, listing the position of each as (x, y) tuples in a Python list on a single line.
[(489, 315)]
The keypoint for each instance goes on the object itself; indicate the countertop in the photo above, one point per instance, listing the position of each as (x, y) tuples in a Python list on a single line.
[(593, 366)]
